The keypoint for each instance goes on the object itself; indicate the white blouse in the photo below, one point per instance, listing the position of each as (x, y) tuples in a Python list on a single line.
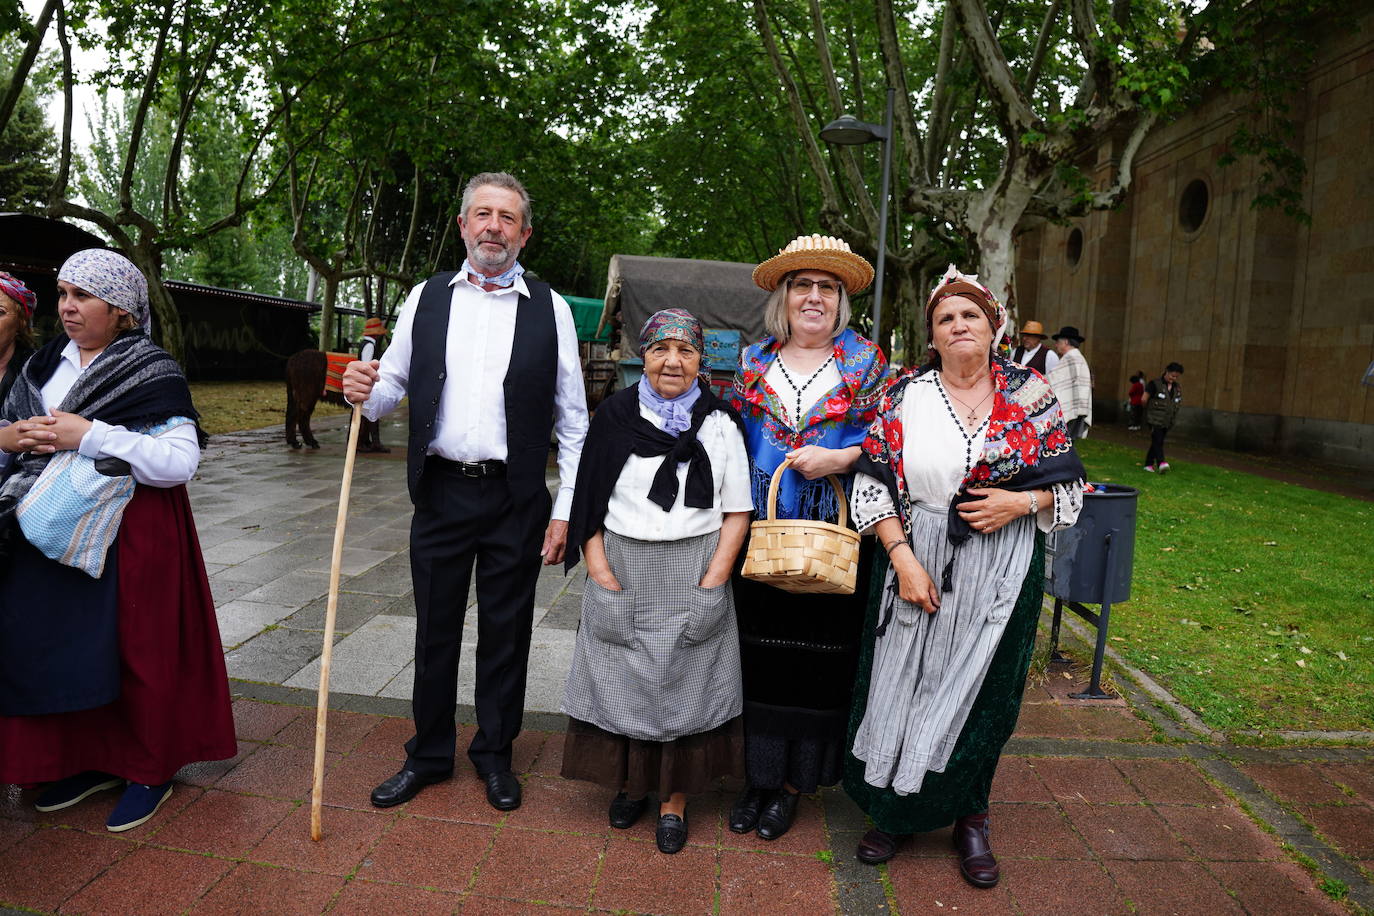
[(798, 403), (158, 461), (631, 514), (938, 454)]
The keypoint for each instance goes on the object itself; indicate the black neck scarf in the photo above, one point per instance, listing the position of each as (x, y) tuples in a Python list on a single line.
[(618, 431)]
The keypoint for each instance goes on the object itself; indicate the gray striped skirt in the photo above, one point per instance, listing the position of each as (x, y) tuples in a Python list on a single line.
[(659, 659), (928, 668)]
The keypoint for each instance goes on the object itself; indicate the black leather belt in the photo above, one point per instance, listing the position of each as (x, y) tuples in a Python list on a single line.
[(488, 468)]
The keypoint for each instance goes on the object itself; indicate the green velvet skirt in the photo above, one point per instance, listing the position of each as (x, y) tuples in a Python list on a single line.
[(966, 782)]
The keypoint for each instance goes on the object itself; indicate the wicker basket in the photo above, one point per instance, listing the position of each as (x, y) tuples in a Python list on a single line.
[(800, 555)]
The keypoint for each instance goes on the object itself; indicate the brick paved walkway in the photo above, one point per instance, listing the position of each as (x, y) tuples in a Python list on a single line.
[(1099, 807)]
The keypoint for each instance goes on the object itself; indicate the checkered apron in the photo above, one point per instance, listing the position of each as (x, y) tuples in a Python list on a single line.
[(659, 659)]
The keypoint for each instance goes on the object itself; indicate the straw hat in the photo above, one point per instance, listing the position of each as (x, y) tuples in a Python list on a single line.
[(816, 252), (1033, 327), (374, 327)]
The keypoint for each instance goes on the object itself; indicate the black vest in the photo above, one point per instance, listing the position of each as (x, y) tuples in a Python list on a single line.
[(1038, 363), (529, 385)]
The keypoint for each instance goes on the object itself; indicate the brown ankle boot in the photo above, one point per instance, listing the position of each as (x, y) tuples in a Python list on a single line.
[(976, 861)]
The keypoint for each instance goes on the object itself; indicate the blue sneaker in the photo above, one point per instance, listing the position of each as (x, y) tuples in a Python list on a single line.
[(66, 792), (138, 803)]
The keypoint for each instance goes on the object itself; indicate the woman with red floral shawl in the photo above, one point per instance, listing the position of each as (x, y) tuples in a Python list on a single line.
[(960, 518)]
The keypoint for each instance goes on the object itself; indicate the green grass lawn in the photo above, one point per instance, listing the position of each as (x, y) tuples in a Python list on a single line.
[(227, 407), (1252, 600)]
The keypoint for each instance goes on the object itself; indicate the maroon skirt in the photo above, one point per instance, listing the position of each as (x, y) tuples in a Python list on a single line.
[(639, 768), (173, 706)]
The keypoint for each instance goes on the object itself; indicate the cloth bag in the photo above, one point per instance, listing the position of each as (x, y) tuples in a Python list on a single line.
[(72, 512)]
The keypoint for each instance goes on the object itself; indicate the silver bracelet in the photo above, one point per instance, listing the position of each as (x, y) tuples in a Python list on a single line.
[(1034, 503)]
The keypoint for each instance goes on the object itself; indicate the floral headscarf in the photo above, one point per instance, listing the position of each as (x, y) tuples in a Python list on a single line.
[(110, 276), (672, 324), (954, 283), (14, 288)]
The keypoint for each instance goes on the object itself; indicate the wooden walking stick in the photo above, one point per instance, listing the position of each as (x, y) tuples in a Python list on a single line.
[(335, 563)]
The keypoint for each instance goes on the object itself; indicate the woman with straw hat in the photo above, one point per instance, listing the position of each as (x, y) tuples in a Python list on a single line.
[(806, 392), (967, 465)]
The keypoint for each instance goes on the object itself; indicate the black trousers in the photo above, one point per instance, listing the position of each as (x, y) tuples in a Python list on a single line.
[(1156, 453), (461, 523)]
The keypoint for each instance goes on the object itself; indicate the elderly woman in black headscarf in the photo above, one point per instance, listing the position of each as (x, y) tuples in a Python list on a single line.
[(111, 670), (660, 511)]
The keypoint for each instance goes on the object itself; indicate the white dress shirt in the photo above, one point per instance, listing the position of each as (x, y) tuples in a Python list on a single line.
[(1051, 357), (158, 461), (471, 423), (630, 513)]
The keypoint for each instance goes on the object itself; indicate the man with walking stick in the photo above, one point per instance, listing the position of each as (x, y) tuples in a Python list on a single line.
[(489, 359)]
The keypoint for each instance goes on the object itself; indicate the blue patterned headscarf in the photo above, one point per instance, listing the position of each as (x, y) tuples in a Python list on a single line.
[(110, 276)]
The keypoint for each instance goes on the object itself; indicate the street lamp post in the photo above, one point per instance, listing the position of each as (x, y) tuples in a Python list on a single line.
[(847, 130)]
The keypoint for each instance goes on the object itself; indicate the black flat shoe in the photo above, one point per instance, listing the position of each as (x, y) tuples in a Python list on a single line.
[(744, 816), (402, 787), (626, 812), (503, 790), (877, 847), (776, 817), (671, 835), (976, 862)]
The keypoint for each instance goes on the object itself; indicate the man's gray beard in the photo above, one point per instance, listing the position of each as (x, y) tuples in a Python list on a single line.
[(477, 258)]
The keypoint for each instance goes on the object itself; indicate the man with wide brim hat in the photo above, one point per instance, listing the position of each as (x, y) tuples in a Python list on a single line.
[(375, 328), (1033, 354), (370, 431), (1072, 382)]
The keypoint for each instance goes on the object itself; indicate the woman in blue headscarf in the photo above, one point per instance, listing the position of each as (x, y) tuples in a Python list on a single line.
[(660, 510), (111, 671)]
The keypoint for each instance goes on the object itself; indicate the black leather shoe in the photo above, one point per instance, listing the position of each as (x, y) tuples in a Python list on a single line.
[(744, 816), (976, 861), (503, 790), (626, 812), (776, 817), (877, 846), (402, 787), (671, 835)]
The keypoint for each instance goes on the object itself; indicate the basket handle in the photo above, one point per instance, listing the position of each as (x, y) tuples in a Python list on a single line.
[(834, 482)]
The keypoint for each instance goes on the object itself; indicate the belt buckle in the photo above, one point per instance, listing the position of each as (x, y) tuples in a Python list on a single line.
[(471, 468)]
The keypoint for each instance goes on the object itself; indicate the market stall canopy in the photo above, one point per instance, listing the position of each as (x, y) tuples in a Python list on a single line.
[(721, 294)]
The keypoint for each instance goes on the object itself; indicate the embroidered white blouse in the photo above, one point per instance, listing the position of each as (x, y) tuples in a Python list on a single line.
[(631, 514), (798, 403), (938, 455)]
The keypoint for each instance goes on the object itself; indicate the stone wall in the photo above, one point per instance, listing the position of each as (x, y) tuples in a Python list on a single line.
[(1273, 319)]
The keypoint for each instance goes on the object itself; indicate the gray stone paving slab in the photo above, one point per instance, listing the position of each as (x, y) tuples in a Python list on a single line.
[(367, 658), (240, 621), (390, 577), (274, 655), (266, 567), (354, 561), (224, 590), (353, 610), (239, 549), (295, 589)]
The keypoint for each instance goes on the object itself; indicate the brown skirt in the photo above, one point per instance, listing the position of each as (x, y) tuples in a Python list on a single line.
[(639, 768)]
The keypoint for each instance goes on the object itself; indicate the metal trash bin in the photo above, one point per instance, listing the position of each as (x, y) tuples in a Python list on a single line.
[(1092, 563)]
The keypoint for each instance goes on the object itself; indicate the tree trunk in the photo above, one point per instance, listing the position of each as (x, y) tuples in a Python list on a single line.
[(167, 330), (331, 294)]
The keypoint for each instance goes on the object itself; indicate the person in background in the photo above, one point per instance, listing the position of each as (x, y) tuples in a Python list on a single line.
[(806, 392), (1072, 382), (111, 670), (369, 430), (1136, 400), (1163, 397), (966, 466), (1032, 353), (660, 511), (17, 303)]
